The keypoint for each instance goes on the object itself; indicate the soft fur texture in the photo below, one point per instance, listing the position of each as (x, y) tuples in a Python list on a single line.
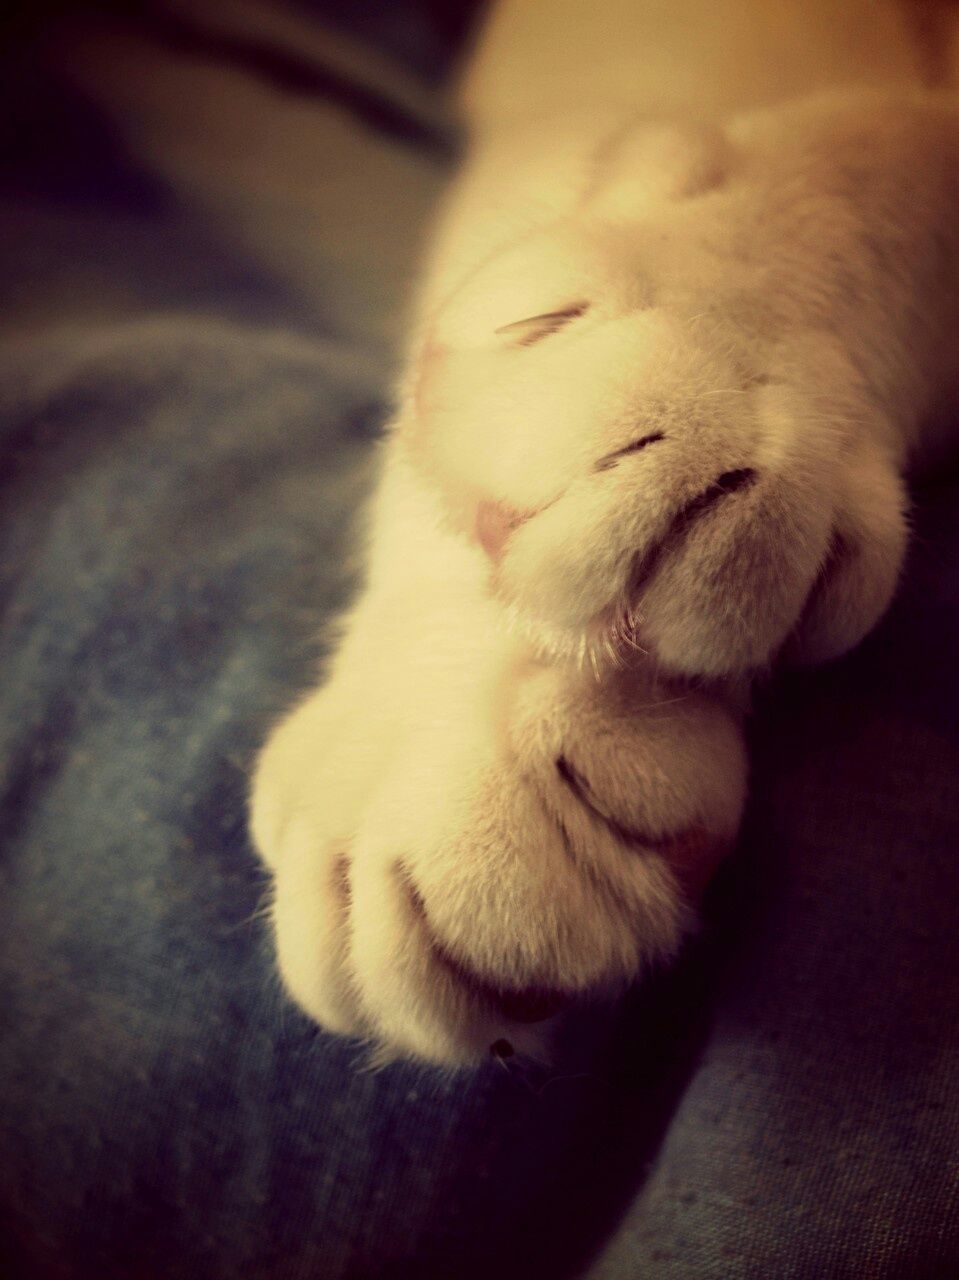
[(677, 343)]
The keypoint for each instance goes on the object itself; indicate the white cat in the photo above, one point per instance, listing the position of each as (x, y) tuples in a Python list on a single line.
[(692, 301)]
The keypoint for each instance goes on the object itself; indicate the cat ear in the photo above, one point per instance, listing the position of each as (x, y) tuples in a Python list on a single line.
[(523, 333)]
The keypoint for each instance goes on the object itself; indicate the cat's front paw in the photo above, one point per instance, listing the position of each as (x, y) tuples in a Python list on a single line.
[(641, 477), (711, 554), (504, 867)]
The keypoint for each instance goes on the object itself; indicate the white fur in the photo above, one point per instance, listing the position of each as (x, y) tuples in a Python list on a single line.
[(513, 777)]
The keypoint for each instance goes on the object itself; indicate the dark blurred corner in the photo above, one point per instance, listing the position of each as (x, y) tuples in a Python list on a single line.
[(36, 56), (141, 109)]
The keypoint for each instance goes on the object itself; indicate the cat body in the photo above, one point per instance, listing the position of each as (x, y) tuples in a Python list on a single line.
[(688, 316)]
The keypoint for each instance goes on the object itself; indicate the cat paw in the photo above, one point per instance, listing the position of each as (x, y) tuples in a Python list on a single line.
[(643, 479), (500, 871), (709, 554)]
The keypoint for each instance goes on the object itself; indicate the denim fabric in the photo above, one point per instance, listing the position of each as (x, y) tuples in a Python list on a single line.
[(186, 433)]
